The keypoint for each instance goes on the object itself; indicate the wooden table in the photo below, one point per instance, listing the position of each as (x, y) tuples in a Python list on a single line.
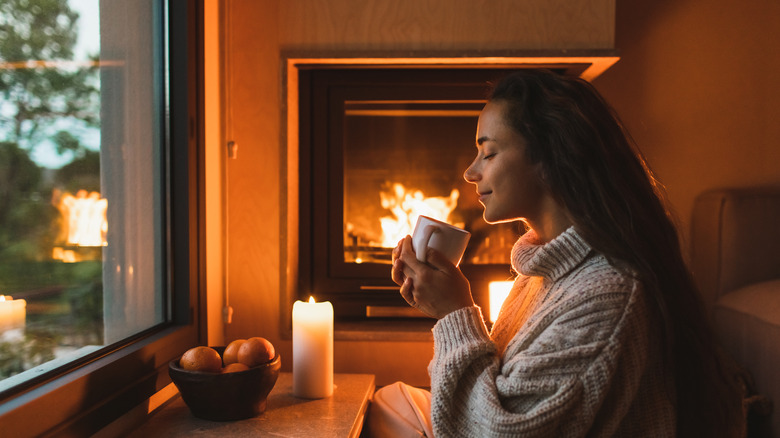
[(338, 416)]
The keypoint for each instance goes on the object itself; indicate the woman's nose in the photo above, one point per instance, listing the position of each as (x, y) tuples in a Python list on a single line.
[(471, 175)]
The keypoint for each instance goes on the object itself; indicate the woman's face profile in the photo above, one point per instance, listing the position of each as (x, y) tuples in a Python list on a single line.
[(508, 185)]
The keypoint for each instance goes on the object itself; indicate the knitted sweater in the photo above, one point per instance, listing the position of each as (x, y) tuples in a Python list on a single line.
[(573, 353)]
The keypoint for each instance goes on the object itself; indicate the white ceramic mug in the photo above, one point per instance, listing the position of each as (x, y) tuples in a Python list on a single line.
[(441, 236)]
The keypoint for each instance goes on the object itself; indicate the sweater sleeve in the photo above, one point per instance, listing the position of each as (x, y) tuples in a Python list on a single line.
[(554, 376)]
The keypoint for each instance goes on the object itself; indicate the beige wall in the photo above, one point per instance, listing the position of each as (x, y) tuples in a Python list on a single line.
[(446, 24), (695, 86)]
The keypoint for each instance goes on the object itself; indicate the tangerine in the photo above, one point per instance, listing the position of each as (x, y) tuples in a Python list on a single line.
[(234, 368), (230, 355), (201, 359), (256, 351)]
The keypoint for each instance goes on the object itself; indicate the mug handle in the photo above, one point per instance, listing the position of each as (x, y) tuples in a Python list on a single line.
[(426, 237)]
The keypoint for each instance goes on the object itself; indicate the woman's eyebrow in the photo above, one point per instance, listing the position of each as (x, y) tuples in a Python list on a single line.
[(482, 140)]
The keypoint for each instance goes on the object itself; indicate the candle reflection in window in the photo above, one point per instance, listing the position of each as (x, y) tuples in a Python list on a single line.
[(13, 314)]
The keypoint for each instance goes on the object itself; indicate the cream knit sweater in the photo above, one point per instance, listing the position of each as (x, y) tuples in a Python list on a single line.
[(572, 354)]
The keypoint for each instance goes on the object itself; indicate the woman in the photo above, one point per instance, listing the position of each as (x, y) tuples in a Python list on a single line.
[(603, 333)]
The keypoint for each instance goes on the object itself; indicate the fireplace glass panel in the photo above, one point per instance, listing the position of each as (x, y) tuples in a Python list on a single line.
[(403, 159), (378, 147)]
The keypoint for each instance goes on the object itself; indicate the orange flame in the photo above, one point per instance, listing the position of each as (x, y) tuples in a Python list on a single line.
[(406, 206)]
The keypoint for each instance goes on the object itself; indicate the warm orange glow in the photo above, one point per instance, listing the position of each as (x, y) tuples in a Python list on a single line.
[(83, 218), (498, 291), (406, 206), (593, 66), (311, 299), (65, 255)]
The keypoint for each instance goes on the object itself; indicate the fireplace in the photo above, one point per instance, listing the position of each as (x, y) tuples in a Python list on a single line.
[(371, 147)]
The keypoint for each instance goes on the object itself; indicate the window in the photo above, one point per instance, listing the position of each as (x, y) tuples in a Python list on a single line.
[(99, 206)]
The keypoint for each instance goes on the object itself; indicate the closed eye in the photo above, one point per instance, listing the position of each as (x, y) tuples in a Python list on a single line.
[(489, 156)]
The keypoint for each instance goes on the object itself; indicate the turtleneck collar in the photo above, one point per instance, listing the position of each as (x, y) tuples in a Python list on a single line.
[(551, 260)]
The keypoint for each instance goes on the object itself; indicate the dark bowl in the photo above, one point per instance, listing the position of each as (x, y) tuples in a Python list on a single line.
[(229, 396)]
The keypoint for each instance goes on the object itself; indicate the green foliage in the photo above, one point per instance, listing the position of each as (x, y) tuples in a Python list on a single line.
[(83, 173), (24, 215), (17, 276), (86, 311), (39, 347), (19, 175), (35, 348), (35, 97), (29, 26)]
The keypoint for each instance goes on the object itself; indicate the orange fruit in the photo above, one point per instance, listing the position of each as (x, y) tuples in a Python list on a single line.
[(201, 359), (230, 355), (256, 351), (234, 368)]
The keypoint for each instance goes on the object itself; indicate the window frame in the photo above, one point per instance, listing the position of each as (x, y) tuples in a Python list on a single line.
[(91, 393)]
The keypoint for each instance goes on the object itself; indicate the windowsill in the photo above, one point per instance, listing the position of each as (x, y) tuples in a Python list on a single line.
[(340, 415), (88, 397)]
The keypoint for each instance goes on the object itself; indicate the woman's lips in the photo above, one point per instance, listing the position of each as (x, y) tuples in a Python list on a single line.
[(483, 196)]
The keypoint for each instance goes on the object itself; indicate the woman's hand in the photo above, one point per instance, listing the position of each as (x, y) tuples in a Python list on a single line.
[(436, 288)]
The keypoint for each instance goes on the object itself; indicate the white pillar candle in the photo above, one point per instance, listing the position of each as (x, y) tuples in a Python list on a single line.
[(312, 349)]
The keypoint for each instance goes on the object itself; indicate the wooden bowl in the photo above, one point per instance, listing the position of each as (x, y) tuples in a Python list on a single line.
[(229, 396)]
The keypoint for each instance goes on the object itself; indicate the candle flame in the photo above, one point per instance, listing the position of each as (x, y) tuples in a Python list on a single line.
[(2, 297), (311, 299)]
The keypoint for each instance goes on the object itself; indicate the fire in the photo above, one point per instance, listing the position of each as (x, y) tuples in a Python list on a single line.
[(84, 220), (406, 206)]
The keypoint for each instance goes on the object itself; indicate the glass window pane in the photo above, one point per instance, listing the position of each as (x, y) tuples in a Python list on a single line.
[(81, 179)]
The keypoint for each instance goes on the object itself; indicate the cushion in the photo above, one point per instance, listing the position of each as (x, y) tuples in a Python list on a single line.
[(759, 300), (747, 322), (735, 240)]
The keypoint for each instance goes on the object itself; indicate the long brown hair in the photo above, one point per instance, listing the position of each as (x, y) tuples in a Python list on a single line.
[(593, 169)]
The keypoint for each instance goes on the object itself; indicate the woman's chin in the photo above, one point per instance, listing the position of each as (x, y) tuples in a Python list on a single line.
[(494, 219)]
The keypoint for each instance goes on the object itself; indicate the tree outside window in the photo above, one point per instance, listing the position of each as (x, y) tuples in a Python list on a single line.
[(49, 108)]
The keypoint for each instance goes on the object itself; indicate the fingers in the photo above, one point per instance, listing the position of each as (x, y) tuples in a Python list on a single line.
[(397, 250), (407, 292), (438, 261), (403, 250), (436, 287), (407, 254), (397, 272)]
